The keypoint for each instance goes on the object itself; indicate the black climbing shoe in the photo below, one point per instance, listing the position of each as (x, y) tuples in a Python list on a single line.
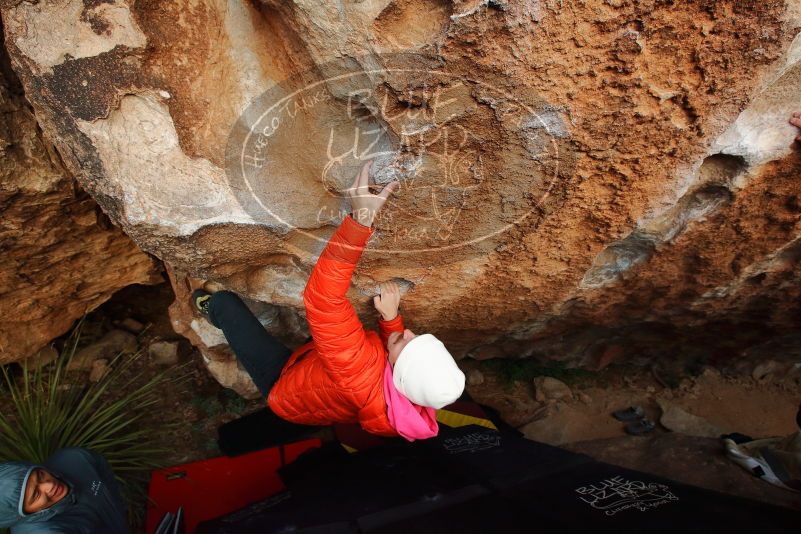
[(632, 413), (640, 427), (200, 300)]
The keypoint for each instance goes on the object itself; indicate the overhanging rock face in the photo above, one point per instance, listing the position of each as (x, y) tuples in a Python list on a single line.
[(570, 171), (61, 257)]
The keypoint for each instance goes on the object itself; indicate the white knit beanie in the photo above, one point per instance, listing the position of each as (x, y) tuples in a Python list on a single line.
[(426, 374)]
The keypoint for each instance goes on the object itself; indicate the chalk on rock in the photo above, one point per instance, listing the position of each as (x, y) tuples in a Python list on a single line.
[(392, 166)]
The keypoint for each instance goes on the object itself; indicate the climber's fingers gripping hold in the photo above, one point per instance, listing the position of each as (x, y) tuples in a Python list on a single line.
[(388, 300), (365, 205)]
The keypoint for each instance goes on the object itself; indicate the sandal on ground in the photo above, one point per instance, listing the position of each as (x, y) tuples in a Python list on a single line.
[(632, 413), (737, 438), (640, 427), (762, 460)]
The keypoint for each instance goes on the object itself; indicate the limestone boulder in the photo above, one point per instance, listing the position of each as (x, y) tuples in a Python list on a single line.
[(61, 255), (572, 176)]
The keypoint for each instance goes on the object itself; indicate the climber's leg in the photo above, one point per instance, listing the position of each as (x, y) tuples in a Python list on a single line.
[(260, 353)]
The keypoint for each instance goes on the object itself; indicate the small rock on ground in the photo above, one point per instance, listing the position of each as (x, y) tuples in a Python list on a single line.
[(547, 388), (475, 378), (107, 347), (164, 352), (768, 369), (132, 325), (43, 356), (676, 419), (562, 425), (100, 369)]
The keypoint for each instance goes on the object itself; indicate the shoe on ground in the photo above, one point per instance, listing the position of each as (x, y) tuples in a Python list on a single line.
[(632, 413), (766, 459), (640, 427)]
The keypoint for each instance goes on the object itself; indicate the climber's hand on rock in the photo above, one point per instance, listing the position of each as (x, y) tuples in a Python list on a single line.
[(796, 121), (388, 300), (365, 205)]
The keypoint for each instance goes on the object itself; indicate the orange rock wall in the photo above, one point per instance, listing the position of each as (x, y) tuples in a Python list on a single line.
[(579, 178), (61, 255)]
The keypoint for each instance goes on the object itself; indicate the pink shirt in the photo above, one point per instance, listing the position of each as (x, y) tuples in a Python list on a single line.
[(409, 420)]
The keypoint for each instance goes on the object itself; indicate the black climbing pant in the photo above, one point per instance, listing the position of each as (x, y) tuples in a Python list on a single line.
[(260, 353), (263, 357)]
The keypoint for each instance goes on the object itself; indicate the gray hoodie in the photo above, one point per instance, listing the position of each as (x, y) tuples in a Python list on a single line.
[(92, 506)]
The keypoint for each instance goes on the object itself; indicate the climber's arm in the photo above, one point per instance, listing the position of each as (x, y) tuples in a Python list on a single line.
[(338, 334), (387, 327)]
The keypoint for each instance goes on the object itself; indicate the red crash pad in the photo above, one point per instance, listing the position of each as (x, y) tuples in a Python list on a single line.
[(218, 486)]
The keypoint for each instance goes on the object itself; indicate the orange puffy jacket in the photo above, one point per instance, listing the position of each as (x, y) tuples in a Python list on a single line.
[(338, 376)]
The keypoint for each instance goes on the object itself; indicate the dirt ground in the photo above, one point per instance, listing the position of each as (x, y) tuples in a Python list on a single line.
[(734, 403), (193, 408), (185, 421), (190, 412), (728, 401)]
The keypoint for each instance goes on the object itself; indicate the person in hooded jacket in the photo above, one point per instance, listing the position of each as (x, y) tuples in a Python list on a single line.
[(74, 492), (390, 382)]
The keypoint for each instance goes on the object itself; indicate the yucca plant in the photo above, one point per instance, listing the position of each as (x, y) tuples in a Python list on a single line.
[(49, 412)]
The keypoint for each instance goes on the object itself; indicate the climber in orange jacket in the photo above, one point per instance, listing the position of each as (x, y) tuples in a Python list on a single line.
[(390, 383)]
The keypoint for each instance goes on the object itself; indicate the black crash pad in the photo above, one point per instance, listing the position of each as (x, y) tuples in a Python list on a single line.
[(475, 479)]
